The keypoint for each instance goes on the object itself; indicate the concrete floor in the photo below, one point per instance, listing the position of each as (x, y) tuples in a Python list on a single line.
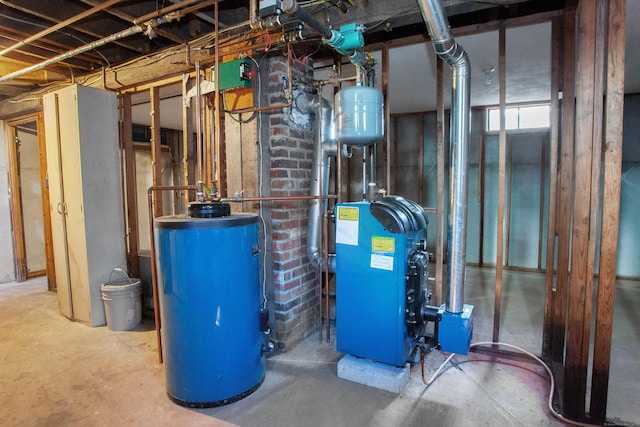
[(54, 372)]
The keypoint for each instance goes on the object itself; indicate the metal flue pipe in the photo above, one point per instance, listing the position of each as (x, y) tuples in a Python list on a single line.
[(453, 54), (324, 147)]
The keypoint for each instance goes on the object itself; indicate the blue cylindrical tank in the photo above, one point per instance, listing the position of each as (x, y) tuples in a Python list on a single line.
[(209, 294), (359, 116)]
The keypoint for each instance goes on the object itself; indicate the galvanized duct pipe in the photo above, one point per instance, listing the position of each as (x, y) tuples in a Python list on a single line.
[(450, 51), (324, 147)]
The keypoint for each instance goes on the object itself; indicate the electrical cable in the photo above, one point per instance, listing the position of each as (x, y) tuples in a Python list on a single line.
[(556, 414)]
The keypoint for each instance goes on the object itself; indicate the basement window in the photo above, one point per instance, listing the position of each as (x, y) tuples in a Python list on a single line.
[(522, 117)]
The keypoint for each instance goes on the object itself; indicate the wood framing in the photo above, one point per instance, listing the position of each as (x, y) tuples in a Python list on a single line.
[(502, 158), (126, 140), (610, 208), (579, 296), (563, 212), (554, 105), (156, 151)]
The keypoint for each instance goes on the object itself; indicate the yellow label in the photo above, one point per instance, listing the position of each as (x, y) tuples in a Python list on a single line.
[(383, 244), (348, 214)]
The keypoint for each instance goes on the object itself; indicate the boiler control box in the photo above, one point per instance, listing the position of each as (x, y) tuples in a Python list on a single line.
[(234, 74)]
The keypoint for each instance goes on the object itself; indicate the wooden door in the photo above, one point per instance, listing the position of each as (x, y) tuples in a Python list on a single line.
[(31, 225), (57, 206)]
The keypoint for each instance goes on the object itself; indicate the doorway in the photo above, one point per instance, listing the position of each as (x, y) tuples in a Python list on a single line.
[(29, 199)]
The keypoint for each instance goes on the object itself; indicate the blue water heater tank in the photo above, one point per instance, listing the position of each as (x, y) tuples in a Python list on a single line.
[(209, 294)]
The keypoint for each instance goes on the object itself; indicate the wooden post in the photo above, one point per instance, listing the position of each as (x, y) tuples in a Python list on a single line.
[(543, 162), (188, 141), (130, 191), (563, 213), (556, 74), (387, 117), (502, 159), (579, 296), (156, 149), (481, 172), (610, 208), (439, 297), (395, 156)]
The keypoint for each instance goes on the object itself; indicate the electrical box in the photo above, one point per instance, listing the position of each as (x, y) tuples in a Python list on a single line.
[(270, 7), (234, 74)]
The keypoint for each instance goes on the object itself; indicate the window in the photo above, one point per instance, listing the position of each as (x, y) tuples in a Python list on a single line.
[(525, 117)]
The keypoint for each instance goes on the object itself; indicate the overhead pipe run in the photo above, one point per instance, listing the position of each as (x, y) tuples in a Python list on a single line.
[(448, 49), (136, 29)]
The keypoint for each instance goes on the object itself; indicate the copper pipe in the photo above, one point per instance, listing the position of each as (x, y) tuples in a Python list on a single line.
[(217, 142), (188, 10), (164, 11), (326, 274), (273, 107), (274, 198), (152, 253), (129, 18)]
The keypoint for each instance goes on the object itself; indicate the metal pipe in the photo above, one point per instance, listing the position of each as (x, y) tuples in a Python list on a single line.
[(142, 19), (253, 14), (324, 147), (216, 168), (275, 198), (450, 51), (277, 106), (292, 8), (109, 39), (59, 25), (199, 150)]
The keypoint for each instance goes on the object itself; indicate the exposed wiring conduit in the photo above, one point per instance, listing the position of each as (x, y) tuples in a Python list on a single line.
[(552, 386)]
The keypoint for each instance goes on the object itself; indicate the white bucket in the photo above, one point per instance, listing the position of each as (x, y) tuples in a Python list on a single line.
[(122, 302)]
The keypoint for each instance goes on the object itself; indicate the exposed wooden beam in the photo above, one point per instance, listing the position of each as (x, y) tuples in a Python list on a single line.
[(554, 105), (51, 18), (610, 208), (502, 160), (98, 7), (563, 217), (578, 317), (128, 18), (156, 151), (126, 139)]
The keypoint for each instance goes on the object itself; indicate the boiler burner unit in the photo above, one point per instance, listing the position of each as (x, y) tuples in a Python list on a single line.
[(381, 279)]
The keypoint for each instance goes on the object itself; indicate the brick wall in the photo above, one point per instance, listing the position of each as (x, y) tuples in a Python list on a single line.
[(295, 283)]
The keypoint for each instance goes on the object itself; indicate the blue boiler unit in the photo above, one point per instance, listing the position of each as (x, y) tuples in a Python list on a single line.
[(381, 279), (209, 294)]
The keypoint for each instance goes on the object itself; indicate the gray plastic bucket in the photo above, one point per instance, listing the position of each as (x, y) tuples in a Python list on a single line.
[(122, 302)]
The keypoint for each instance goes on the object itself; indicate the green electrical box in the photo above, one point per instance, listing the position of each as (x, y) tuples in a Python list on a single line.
[(234, 74)]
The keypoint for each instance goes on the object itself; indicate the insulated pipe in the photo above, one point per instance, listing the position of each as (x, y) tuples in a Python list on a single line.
[(292, 8), (324, 147), (450, 51)]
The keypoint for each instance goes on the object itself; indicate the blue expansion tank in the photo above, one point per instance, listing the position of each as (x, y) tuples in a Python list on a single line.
[(209, 294), (381, 278)]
